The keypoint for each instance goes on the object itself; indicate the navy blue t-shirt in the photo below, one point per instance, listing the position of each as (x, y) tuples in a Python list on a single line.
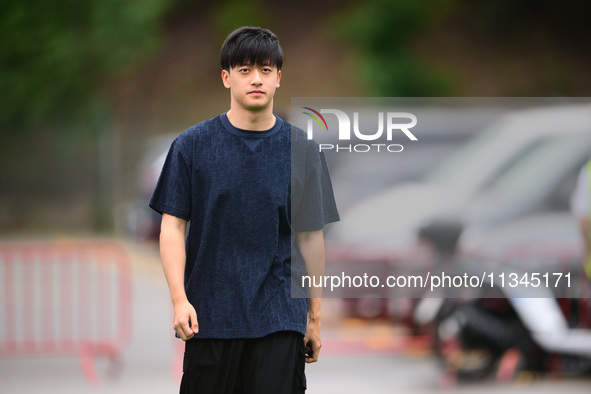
[(235, 188)]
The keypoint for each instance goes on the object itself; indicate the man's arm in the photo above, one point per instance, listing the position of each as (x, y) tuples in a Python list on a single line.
[(172, 253), (311, 245)]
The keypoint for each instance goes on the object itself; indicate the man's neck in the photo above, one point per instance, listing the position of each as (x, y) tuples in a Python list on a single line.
[(247, 120)]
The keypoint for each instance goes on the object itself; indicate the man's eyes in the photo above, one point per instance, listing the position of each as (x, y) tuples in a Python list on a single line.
[(246, 69)]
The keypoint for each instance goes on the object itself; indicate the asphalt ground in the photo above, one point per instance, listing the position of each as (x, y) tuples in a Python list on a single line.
[(357, 356)]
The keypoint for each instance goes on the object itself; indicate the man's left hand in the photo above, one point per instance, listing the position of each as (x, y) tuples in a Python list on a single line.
[(312, 340)]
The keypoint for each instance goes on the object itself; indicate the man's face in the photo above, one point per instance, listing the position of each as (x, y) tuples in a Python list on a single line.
[(252, 86)]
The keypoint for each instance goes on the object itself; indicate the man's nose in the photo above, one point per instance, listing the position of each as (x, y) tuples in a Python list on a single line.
[(256, 77)]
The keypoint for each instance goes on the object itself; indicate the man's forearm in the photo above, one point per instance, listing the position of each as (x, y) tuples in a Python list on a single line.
[(311, 245), (172, 253)]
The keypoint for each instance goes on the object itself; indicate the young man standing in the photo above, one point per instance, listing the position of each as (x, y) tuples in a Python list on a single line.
[(251, 187)]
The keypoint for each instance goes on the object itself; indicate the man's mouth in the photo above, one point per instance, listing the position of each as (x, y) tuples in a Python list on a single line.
[(256, 92)]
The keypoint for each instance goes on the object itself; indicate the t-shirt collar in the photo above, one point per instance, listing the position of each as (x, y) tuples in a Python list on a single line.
[(251, 133)]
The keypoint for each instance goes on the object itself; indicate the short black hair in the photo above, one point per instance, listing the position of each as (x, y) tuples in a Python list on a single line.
[(251, 45)]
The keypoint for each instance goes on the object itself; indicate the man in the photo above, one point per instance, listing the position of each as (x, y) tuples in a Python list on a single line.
[(580, 202), (232, 179)]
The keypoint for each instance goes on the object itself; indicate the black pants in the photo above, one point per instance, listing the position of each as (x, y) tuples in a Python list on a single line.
[(270, 365)]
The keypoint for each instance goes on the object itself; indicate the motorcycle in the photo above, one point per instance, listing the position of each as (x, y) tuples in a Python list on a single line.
[(501, 328)]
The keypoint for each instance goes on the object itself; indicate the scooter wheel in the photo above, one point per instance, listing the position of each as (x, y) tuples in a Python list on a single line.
[(459, 352)]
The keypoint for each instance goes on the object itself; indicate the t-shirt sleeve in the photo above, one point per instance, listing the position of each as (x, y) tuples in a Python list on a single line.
[(172, 194), (317, 206), (580, 199)]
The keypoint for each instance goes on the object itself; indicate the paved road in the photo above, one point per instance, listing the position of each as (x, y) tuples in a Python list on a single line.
[(357, 357)]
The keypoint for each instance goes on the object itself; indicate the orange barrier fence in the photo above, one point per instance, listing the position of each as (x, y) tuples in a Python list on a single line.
[(65, 299)]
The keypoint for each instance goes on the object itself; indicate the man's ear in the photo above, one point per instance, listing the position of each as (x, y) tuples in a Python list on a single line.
[(278, 78), (226, 78)]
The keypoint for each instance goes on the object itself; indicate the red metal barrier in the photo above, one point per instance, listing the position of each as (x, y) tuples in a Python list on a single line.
[(65, 298)]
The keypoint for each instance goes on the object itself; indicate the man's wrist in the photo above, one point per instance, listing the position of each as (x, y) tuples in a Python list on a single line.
[(314, 317), (314, 310), (179, 299)]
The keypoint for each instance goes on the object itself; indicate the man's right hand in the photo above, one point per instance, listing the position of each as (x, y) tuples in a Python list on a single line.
[(185, 320)]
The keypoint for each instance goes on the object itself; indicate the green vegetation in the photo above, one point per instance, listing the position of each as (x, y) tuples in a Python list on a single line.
[(382, 32), (66, 66), (228, 15), (527, 47), (58, 59), (55, 55)]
